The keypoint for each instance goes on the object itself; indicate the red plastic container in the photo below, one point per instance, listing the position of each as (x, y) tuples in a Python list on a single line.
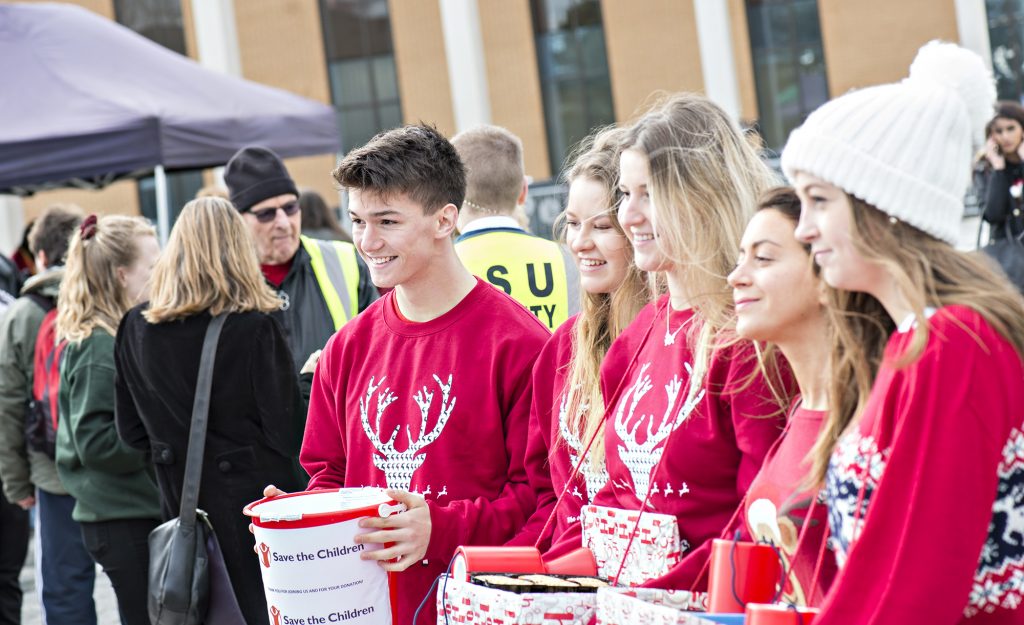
[(757, 575)]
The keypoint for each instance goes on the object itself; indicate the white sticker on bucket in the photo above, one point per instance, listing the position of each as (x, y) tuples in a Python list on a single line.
[(314, 575)]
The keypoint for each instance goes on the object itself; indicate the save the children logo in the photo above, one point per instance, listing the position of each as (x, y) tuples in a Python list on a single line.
[(265, 555), (338, 616)]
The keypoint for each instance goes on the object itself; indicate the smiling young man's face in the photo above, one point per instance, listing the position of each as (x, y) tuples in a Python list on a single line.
[(395, 237)]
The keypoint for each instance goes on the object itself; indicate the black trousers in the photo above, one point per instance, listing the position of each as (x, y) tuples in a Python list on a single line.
[(14, 534), (122, 548)]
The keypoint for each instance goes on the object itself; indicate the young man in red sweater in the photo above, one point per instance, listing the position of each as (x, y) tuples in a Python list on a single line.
[(427, 392)]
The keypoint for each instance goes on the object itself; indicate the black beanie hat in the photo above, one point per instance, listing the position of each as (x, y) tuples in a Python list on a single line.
[(254, 174)]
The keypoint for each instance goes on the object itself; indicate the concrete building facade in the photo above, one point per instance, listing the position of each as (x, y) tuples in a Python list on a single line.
[(535, 66)]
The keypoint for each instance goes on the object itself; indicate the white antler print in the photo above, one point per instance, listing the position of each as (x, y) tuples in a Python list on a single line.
[(595, 478), (641, 458), (399, 466)]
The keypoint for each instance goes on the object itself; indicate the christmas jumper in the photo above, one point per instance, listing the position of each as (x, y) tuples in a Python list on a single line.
[(777, 507), (926, 490), (440, 408), (555, 444), (693, 456)]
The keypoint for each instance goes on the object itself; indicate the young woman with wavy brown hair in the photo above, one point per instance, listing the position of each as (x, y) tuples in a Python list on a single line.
[(924, 477)]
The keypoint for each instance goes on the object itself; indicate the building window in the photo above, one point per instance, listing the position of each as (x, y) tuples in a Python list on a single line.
[(789, 65), (1006, 36), (574, 74), (161, 22), (361, 66)]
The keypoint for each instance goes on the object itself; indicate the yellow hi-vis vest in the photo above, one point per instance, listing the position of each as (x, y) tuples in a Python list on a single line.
[(537, 273), (337, 273)]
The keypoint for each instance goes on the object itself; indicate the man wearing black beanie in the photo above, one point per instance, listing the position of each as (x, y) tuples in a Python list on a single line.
[(323, 283)]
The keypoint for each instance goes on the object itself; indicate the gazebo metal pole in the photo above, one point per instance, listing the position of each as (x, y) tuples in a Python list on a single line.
[(163, 220)]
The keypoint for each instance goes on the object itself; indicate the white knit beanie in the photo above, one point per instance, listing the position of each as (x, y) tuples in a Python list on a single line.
[(905, 148)]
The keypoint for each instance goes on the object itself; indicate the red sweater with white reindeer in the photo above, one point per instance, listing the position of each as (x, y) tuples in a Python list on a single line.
[(937, 463), (557, 440), (440, 408), (694, 457)]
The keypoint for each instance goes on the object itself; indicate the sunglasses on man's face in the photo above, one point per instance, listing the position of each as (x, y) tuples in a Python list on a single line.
[(267, 215)]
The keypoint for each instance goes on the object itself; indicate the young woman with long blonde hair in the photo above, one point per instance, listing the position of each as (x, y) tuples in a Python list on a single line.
[(689, 418), (107, 271), (568, 407), (256, 415), (924, 479)]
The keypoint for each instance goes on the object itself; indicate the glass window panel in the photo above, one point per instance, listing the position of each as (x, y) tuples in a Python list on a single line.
[(808, 27), (357, 126), (599, 103), (157, 20), (789, 64), (390, 116), (385, 78), (350, 82), (343, 29), (573, 64), (592, 50), (780, 24)]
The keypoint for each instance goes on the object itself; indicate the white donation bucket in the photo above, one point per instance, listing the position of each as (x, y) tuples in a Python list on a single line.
[(312, 572)]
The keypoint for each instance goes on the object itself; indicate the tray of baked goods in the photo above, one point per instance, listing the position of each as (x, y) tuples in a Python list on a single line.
[(524, 583)]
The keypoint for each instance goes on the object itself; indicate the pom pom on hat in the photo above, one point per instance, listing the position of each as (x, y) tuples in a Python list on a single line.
[(905, 148), (962, 71)]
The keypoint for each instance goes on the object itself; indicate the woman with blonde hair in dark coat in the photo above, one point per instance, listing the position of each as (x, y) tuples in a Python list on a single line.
[(256, 417)]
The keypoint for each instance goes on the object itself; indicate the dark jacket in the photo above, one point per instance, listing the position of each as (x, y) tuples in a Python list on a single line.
[(306, 321), (255, 424), (109, 480), (1001, 210)]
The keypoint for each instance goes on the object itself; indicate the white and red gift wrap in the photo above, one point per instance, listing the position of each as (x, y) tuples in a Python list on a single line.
[(464, 602), (650, 606), (656, 547)]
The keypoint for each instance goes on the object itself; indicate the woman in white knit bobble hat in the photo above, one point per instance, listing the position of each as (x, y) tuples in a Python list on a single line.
[(925, 483)]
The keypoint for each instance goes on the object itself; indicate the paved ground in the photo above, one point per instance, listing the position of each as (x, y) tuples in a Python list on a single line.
[(106, 604)]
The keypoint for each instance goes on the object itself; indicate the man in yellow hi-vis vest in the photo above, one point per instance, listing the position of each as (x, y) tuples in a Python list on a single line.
[(538, 273), (323, 283)]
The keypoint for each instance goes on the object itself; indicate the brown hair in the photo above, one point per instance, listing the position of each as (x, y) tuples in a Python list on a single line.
[(603, 316), (51, 232), (493, 158), (416, 161), (931, 274), (210, 264), (1006, 109), (91, 295)]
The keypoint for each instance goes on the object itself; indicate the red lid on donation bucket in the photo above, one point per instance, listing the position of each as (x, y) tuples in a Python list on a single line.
[(314, 508), (775, 614)]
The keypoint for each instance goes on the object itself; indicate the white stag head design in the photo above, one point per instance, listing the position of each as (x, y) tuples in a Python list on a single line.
[(399, 466)]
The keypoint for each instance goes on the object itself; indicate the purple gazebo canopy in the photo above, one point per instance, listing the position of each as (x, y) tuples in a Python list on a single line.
[(84, 100)]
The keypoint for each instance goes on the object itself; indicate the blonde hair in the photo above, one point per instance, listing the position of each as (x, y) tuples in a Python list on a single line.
[(210, 264), (929, 273), (91, 295), (603, 316), (493, 158), (705, 181)]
